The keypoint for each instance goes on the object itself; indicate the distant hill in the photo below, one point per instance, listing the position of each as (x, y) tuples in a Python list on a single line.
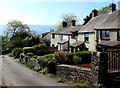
[(38, 28)]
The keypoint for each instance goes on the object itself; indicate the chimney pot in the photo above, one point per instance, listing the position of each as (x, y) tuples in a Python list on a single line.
[(112, 7), (64, 24), (94, 13), (73, 23)]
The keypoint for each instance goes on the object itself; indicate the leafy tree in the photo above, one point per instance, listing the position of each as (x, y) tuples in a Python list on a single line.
[(15, 26), (103, 10), (67, 18)]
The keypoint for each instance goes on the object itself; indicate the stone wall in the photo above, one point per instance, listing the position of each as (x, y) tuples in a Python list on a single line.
[(75, 74), (96, 74)]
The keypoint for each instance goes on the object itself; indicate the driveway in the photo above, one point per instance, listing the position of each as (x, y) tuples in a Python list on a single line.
[(14, 73)]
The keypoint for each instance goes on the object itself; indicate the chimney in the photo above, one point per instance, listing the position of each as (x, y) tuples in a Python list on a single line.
[(112, 7), (73, 23), (94, 13), (64, 24)]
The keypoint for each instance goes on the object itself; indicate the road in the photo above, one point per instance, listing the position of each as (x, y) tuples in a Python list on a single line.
[(16, 74)]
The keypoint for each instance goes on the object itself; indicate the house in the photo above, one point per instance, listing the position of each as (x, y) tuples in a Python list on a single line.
[(102, 31), (47, 35), (65, 37)]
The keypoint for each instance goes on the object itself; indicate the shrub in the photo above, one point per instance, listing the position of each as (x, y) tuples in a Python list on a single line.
[(84, 85), (30, 54), (11, 55), (62, 80), (77, 59), (61, 57), (16, 52), (44, 71), (40, 49), (30, 65), (35, 56), (28, 49), (44, 61), (37, 68)]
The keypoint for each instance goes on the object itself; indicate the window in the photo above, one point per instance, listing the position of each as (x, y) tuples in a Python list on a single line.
[(53, 45), (86, 37), (61, 37), (53, 36), (118, 35), (74, 34), (105, 34)]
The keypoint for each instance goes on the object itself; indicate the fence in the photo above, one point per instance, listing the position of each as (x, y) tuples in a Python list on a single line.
[(113, 60)]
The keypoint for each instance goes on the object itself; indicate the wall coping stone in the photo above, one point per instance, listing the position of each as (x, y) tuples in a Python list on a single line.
[(74, 67)]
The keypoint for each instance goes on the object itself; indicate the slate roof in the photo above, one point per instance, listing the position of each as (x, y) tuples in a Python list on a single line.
[(77, 43), (109, 43), (106, 21), (63, 41), (68, 30)]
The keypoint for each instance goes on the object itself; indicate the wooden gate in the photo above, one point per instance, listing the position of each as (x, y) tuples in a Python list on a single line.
[(113, 60)]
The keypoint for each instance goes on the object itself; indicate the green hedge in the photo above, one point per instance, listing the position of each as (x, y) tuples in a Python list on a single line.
[(28, 49), (67, 58)]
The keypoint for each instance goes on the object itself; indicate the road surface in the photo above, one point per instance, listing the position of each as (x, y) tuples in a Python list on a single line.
[(14, 73)]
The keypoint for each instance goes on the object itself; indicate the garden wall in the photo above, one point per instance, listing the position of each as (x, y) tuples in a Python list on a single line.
[(75, 74), (95, 74)]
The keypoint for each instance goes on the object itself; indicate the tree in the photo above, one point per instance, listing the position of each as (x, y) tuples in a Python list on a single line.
[(15, 26), (67, 18), (103, 10)]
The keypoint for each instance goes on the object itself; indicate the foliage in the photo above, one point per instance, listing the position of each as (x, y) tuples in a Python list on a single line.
[(44, 71), (70, 58), (28, 49), (32, 40), (30, 54), (67, 18), (47, 42), (44, 61), (34, 56), (77, 59), (15, 26), (11, 55), (61, 57), (16, 52), (99, 85), (37, 68), (103, 10), (30, 65), (84, 85), (61, 80)]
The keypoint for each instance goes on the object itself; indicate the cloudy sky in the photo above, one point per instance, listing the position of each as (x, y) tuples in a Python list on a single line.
[(47, 12)]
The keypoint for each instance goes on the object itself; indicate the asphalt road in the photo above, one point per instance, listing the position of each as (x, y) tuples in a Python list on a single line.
[(14, 73)]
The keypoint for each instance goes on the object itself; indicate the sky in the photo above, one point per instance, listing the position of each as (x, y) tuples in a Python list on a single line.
[(47, 12)]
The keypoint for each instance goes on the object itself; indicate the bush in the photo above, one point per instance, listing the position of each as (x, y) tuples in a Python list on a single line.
[(44, 71), (28, 49), (16, 52), (11, 55), (61, 80), (40, 49), (37, 68), (84, 85), (44, 61), (30, 54), (84, 55), (77, 59), (61, 57), (30, 65)]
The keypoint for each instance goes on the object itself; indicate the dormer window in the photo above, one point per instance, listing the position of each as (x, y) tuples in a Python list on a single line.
[(105, 34), (74, 34), (118, 35)]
